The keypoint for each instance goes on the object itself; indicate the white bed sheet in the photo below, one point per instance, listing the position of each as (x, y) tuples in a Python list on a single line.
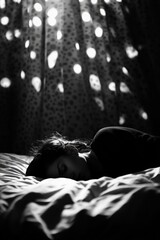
[(127, 207)]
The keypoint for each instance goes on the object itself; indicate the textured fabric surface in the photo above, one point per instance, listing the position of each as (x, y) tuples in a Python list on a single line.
[(122, 208), (76, 66)]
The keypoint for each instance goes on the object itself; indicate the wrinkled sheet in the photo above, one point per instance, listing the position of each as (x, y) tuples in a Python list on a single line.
[(127, 207)]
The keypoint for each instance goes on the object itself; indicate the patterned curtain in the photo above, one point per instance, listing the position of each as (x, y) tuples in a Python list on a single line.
[(74, 66)]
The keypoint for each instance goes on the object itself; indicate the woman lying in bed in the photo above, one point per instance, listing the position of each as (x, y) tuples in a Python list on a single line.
[(114, 151)]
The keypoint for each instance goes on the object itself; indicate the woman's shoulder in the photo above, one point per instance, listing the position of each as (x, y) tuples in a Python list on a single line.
[(115, 131), (117, 136), (119, 130)]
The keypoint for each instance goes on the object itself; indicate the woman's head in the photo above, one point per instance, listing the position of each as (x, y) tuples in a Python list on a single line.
[(59, 157)]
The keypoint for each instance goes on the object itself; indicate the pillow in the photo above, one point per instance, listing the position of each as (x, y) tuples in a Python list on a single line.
[(12, 178), (13, 165)]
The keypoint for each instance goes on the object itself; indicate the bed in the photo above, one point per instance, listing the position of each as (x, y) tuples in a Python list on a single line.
[(127, 207)]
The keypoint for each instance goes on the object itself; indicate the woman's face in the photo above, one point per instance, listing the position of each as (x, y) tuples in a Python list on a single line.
[(68, 167)]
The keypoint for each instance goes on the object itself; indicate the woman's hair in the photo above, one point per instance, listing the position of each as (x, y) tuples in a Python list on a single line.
[(49, 149)]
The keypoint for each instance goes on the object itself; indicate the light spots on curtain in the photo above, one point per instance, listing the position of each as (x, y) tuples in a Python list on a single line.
[(5, 82), (72, 66)]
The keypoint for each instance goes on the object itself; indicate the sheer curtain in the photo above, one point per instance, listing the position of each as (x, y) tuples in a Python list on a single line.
[(75, 66)]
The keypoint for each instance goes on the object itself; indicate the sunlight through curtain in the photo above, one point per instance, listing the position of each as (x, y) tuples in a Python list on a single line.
[(68, 66)]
